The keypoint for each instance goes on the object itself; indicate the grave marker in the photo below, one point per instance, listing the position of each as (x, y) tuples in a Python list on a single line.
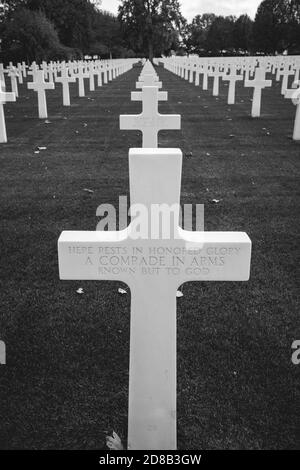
[(149, 80), (150, 121), (295, 96), (258, 83), (4, 98), (65, 79), (232, 78), (154, 267), (81, 75), (40, 86)]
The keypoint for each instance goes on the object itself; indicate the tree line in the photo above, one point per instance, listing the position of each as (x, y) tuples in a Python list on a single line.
[(67, 29)]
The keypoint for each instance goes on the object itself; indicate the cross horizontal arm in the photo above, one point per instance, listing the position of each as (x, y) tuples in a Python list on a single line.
[(138, 96), (169, 121), (116, 256), (130, 122), (143, 84)]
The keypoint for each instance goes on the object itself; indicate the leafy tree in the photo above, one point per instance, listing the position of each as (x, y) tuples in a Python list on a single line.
[(221, 35), (151, 26), (72, 19), (242, 33), (31, 36), (106, 37), (79, 24), (196, 40), (276, 25)]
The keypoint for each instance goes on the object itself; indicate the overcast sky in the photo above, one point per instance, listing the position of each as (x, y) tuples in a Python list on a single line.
[(191, 8)]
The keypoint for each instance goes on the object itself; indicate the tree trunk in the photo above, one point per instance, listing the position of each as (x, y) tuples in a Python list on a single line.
[(150, 50)]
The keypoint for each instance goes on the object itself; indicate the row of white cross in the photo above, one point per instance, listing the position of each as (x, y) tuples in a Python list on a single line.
[(153, 267), (251, 71), (150, 121), (44, 79)]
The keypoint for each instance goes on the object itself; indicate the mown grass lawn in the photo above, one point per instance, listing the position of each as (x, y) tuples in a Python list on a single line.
[(66, 380)]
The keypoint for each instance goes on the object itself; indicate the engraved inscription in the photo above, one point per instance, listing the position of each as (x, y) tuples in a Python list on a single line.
[(153, 261)]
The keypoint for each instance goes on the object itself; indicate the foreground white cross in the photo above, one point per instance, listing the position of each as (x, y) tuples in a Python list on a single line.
[(65, 79), (259, 83), (154, 267), (4, 98), (150, 122), (40, 86)]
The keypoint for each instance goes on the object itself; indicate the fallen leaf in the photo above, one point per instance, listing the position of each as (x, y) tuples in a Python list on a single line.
[(122, 291), (88, 191), (42, 148), (47, 121), (80, 291), (114, 442), (216, 201), (179, 294)]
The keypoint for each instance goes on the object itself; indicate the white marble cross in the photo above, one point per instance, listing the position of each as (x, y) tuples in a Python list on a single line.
[(154, 266), (150, 121), (148, 80), (99, 72), (105, 73), (294, 95), (13, 73), (2, 353), (217, 73), (286, 73), (81, 75), (232, 77), (205, 71), (65, 79), (91, 72), (4, 98), (40, 86), (138, 96), (258, 83)]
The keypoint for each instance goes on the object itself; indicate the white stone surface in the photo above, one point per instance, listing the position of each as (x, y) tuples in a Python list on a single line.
[(294, 95), (65, 79), (150, 121), (154, 268), (4, 98), (258, 83), (40, 86)]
